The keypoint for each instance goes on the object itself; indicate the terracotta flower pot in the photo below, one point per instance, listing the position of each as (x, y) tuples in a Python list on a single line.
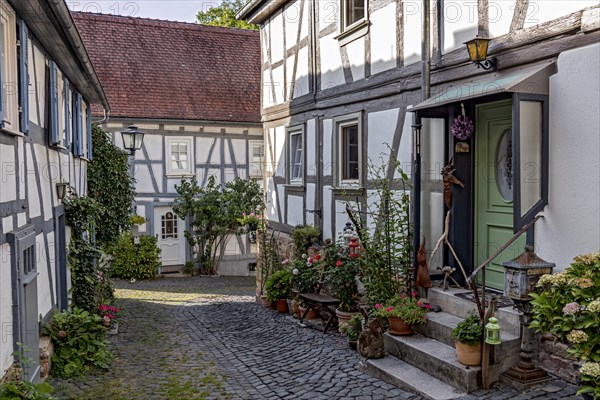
[(344, 316), (468, 355), (398, 327), (310, 315), (282, 306)]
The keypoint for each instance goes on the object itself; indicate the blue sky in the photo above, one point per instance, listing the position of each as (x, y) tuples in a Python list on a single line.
[(174, 10)]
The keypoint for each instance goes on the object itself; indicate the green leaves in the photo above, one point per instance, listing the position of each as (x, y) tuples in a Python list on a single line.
[(78, 338), (224, 15), (469, 330), (131, 260)]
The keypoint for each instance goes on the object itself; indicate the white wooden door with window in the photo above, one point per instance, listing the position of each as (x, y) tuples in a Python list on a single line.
[(169, 232)]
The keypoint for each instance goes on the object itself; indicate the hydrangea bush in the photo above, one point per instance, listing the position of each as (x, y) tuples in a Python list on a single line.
[(568, 306)]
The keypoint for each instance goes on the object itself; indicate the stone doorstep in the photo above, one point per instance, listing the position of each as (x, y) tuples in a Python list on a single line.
[(508, 317), (412, 379), (434, 358)]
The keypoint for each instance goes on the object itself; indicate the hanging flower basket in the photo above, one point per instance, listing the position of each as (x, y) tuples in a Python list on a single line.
[(462, 127)]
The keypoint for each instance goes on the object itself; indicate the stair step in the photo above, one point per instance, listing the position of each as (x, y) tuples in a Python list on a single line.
[(437, 358), (439, 326), (410, 378)]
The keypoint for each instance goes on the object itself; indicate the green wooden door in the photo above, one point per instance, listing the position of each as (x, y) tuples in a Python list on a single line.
[(494, 189)]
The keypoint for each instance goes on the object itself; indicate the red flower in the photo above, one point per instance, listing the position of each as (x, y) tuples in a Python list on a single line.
[(339, 263), (414, 294), (378, 306), (427, 306), (420, 303), (389, 309), (403, 296), (317, 257), (310, 260)]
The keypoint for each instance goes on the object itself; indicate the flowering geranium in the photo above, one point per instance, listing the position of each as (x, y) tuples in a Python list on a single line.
[(340, 274), (109, 314), (252, 220), (568, 306), (408, 308)]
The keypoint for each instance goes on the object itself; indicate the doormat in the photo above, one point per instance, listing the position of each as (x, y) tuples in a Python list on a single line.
[(503, 301)]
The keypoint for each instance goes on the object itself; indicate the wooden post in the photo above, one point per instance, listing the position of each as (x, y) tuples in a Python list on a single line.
[(485, 351)]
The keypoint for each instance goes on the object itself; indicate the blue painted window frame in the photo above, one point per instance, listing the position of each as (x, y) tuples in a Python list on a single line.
[(53, 126), (67, 111), (23, 76), (88, 120), (77, 126)]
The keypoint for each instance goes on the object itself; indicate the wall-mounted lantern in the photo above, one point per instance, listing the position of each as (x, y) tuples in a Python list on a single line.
[(132, 139), (61, 189), (478, 49)]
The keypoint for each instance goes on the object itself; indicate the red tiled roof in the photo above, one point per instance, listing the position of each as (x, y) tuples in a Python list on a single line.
[(174, 70)]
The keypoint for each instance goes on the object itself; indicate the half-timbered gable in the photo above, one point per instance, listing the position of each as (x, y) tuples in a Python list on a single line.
[(195, 91), (48, 86)]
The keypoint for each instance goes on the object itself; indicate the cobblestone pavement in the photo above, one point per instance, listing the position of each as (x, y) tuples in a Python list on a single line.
[(206, 338)]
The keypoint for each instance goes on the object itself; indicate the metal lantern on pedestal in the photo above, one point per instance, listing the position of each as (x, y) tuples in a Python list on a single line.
[(492, 332), (348, 233), (521, 276), (354, 248)]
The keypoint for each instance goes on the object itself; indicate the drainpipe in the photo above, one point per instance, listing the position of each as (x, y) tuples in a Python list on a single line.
[(417, 126)]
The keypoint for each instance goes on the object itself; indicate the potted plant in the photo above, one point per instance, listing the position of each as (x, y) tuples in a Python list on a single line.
[(277, 287), (340, 273), (568, 306), (110, 318), (352, 329), (306, 272), (403, 311), (467, 336)]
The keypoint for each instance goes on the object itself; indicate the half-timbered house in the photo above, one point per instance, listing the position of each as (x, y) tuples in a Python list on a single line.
[(345, 75), (194, 90), (343, 80), (48, 87)]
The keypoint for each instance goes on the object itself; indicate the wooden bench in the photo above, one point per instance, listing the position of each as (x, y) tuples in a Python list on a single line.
[(312, 300)]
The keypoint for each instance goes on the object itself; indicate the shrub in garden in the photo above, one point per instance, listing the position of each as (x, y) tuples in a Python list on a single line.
[(79, 344), (131, 260), (14, 387)]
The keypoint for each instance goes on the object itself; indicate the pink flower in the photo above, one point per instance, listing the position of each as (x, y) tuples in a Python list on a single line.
[(413, 294), (402, 296), (243, 214), (252, 214), (389, 309), (427, 306), (339, 263), (571, 308), (420, 303), (310, 260), (378, 306)]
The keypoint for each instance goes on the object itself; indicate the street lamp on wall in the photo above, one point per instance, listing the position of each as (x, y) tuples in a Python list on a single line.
[(478, 49), (132, 139), (61, 189)]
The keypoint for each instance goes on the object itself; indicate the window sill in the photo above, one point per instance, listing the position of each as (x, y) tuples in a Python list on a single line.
[(353, 190), (178, 174), (353, 32), (12, 132), (294, 187)]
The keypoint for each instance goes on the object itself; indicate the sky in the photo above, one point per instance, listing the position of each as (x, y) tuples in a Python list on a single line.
[(173, 10)]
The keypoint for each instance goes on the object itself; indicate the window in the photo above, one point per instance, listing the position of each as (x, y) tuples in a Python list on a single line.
[(348, 136), (168, 226), (77, 125), (54, 100), (9, 107), (179, 156), (295, 173), (354, 20), (23, 61), (354, 11), (257, 155)]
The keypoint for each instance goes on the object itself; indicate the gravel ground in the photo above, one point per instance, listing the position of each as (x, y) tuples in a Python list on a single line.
[(206, 338)]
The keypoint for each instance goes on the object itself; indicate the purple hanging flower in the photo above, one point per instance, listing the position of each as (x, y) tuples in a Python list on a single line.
[(462, 127)]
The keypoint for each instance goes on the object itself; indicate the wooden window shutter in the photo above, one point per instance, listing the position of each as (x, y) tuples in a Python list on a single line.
[(88, 129), (54, 133), (1, 80), (24, 75), (77, 129), (67, 110)]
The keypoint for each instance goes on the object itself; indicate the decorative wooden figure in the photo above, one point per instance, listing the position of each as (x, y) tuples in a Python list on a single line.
[(423, 279), (449, 180)]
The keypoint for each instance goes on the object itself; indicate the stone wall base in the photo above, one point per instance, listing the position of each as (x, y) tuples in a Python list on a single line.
[(555, 359)]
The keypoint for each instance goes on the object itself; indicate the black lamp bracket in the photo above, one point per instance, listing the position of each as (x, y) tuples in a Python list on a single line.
[(490, 64)]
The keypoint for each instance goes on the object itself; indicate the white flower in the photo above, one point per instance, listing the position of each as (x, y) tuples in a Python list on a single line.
[(295, 271)]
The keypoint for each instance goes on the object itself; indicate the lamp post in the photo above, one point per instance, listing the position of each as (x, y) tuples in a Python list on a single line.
[(478, 49), (132, 141), (520, 278)]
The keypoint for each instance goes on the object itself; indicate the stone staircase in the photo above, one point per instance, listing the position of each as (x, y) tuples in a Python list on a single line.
[(425, 363)]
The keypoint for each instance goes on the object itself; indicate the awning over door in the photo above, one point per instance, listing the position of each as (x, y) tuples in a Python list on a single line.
[(530, 79)]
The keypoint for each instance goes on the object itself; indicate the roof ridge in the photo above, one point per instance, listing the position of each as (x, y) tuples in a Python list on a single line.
[(162, 23)]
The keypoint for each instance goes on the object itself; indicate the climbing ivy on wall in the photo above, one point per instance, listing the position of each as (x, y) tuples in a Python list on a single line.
[(82, 214), (110, 184)]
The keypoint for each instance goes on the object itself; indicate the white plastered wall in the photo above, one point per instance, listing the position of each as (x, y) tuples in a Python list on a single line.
[(571, 223)]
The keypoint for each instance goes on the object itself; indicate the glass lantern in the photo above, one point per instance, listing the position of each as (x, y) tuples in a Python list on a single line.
[(492, 332), (354, 248)]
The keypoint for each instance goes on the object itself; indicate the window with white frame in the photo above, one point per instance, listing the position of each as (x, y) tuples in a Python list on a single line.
[(348, 135), (295, 154), (353, 14), (257, 156), (9, 110), (179, 156)]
